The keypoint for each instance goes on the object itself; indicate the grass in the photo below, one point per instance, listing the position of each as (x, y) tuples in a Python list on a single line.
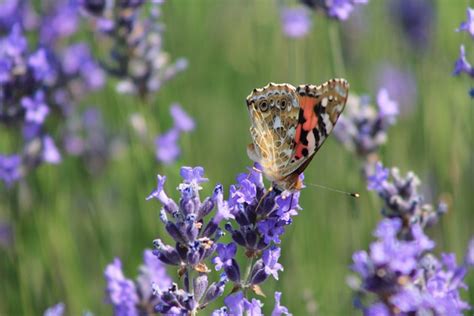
[(69, 223)]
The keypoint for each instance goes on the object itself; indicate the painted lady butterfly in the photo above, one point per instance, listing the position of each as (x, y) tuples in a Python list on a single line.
[(290, 124)]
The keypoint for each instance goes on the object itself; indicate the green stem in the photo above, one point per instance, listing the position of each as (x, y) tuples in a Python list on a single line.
[(190, 277), (336, 50), (247, 276)]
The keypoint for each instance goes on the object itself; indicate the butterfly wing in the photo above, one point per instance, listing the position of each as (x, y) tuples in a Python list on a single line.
[(273, 111), (320, 107), (285, 141)]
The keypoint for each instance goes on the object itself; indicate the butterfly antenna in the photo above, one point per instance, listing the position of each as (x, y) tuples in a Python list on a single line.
[(352, 194)]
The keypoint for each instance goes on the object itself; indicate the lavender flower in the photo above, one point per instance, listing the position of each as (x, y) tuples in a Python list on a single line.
[(130, 297), (195, 241), (261, 215), (336, 9), (37, 85), (238, 305), (468, 25), (415, 19), (225, 259), (167, 148), (401, 197), (362, 128), (10, 169), (403, 278), (469, 260), (279, 310), (121, 292), (136, 56), (462, 65), (400, 85), (56, 310), (296, 22)]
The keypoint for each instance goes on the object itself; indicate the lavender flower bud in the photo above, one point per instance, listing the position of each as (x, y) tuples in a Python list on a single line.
[(200, 284), (233, 271)]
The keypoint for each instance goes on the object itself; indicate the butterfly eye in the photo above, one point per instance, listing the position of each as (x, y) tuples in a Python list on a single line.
[(263, 106)]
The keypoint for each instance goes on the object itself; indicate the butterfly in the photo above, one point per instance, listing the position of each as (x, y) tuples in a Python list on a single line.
[(289, 125)]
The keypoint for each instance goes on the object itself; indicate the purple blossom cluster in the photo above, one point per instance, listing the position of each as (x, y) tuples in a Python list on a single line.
[(135, 297), (335, 9), (136, 54), (166, 144), (40, 81), (399, 276), (254, 217), (401, 197), (462, 65), (362, 128)]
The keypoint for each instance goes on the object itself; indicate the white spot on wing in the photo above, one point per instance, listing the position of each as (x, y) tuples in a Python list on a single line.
[(277, 122), (327, 122), (324, 102)]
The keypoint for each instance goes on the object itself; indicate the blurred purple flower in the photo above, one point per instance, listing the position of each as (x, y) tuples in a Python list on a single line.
[(470, 253), (400, 84), (56, 310), (415, 19), (6, 234), (40, 64), (136, 56), (35, 84), (342, 9), (121, 291), (50, 151), (167, 148), (77, 60), (10, 169), (377, 309), (336, 9), (279, 310), (136, 298), (182, 121), (14, 44), (36, 108), (296, 22), (468, 25), (153, 271), (60, 22), (376, 180), (362, 128), (462, 65), (388, 108)]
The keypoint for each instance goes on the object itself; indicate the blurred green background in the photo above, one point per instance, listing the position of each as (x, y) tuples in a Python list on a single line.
[(69, 224)]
